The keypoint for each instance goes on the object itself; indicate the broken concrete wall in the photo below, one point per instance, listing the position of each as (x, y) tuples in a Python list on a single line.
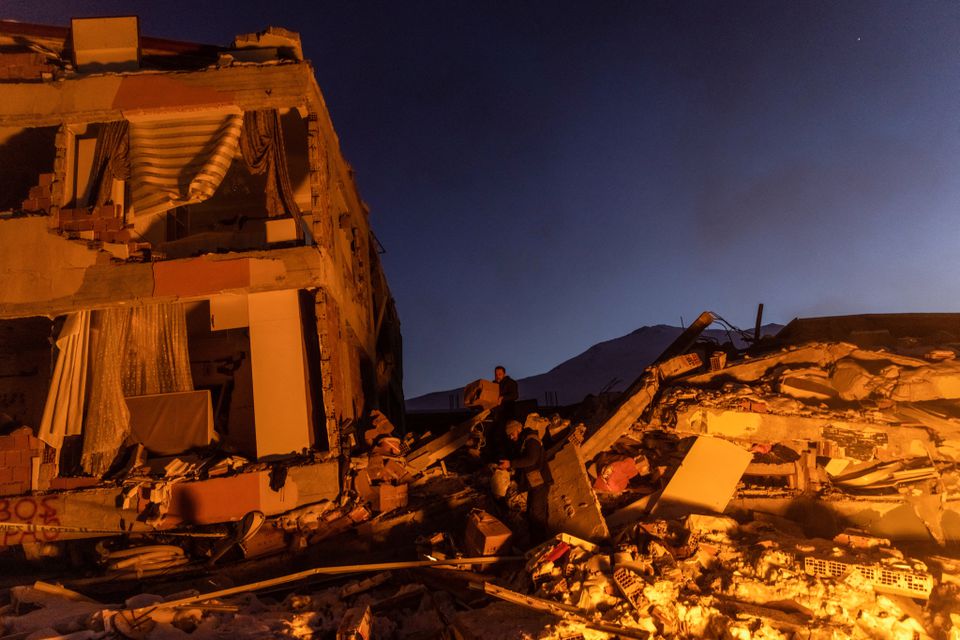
[(572, 506), (67, 255)]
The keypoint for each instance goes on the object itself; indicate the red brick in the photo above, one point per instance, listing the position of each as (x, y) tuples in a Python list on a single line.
[(81, 225), (7, 442), (46, 179), (107, 211)]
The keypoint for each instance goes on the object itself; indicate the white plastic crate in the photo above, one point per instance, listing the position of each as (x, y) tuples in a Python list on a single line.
[(884, 579)]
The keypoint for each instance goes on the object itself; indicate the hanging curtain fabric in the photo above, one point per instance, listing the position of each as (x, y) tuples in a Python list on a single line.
[(63, 411), (261, 145), (157, 360), (136, 351), (180, 161), (111, 159), (108, 419)]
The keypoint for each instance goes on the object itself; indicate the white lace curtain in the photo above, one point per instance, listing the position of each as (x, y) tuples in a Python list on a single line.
[(134, 351), (63, 411)]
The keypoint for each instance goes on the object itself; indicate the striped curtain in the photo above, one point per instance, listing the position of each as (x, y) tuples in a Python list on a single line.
[(175, 161)]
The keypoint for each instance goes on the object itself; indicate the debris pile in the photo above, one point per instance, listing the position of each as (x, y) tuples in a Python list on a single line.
[(706, 576), (808, 492), (702, 576)]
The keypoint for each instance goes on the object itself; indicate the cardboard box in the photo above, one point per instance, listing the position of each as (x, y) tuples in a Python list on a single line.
[(485, 535), (389, 497), (481, 393)]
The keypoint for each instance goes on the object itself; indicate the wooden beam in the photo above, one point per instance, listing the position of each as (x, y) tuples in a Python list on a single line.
[(444, 445)]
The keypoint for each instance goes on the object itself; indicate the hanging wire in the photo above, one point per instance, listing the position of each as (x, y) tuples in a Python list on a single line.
[(745, 336)]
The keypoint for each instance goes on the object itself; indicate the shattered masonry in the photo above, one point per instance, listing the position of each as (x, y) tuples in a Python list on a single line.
[(178, 221)]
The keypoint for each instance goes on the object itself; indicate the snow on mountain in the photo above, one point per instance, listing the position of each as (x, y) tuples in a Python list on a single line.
[(607, 366)]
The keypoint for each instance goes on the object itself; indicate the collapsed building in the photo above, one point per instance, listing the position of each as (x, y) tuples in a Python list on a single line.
[(187, 270), (803, 488), (201, 361)]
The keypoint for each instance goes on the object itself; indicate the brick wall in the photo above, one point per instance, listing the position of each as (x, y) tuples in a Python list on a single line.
[(24, 66), (17, 453), (40, 197)]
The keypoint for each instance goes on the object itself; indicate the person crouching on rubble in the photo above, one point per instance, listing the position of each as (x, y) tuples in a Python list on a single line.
[(532, 476)]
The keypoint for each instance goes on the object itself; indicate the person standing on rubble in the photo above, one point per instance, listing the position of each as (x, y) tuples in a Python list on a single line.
[(532, 476), (504, 412), (506, 405)]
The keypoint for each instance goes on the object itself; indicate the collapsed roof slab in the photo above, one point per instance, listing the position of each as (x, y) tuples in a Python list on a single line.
[(887, 442), (890, 517)]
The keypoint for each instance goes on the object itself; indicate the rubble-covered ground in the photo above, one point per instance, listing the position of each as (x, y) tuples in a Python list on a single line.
[(700, 576), (682, 523)]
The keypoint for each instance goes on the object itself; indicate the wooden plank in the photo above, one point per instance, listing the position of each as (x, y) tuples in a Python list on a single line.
[(707, 477), (444, 445)]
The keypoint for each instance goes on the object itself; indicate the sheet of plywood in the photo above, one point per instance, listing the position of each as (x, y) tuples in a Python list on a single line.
[(281, 406), (707, 477)]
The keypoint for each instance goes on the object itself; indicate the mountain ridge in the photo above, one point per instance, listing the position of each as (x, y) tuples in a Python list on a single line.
[(608, 365)]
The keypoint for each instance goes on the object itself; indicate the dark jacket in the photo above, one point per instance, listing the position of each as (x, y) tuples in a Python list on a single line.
[(531, 466), (508, 394)]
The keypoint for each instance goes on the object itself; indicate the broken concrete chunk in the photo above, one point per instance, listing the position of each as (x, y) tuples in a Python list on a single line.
[(704, 524), (935, 381), (851, 381), (357, 624), (807, 384), (753, 369), (680, 365), (572, 506)]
